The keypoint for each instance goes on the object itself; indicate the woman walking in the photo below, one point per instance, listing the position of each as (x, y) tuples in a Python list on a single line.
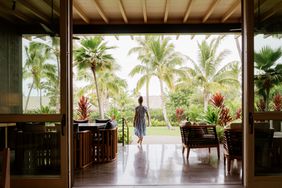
[(139, 122)]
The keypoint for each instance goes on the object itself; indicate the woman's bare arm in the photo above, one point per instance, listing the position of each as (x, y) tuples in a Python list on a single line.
[(148, 117)]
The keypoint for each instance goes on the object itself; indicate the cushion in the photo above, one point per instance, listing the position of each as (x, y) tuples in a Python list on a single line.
[(111, 124), (185, 124)]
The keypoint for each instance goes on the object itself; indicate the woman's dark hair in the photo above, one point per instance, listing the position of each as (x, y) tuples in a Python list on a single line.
[(140, 100)]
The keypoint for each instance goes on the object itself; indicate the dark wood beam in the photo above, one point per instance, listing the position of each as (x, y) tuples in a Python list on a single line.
[(154, 28)]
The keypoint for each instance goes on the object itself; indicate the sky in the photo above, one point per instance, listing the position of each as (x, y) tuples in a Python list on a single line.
[(183, 44)]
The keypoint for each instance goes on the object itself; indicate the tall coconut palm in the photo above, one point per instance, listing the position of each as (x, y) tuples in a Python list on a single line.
[(36, 68), (210, 71), (144, 68), (269, 72), (110, 85), (165, 65), (93, 54)]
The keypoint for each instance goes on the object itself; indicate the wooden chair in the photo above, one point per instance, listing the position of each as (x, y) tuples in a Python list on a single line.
[(233, 144), (5, 180), (201, 136)]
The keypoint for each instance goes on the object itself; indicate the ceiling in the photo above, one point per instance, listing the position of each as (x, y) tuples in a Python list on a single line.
[(132, 12)]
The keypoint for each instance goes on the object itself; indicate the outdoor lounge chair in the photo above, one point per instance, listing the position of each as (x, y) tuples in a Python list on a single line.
[(199, 136), (233, 140)]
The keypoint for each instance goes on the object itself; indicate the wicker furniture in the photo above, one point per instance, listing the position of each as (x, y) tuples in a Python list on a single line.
[(201, 136), (233, 144)]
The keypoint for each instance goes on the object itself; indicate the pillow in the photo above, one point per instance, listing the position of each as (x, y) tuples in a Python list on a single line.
[(111, 124)]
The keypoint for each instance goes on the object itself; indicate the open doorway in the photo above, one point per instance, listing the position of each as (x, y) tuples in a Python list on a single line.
[(197, 66)]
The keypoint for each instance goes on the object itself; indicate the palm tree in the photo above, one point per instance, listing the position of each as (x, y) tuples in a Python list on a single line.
[(110, 85), (144, 68), (93, 54), (269, 72), (210, 71), (165, 65), (54, 90), (36, 68), (52, 44)]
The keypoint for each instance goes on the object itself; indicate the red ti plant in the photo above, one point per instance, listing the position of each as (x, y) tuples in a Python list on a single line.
[(217, 100), (261, 105), (224, 116), (238, 113), (277, 102), (83, 110), (179, 112)]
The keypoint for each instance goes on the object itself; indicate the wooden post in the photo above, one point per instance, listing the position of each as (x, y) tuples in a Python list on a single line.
[(6, 168)]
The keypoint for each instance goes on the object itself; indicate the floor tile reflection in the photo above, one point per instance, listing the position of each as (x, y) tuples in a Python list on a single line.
[(159, 164)]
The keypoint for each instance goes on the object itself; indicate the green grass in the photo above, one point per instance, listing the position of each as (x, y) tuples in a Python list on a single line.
[(159, 131)]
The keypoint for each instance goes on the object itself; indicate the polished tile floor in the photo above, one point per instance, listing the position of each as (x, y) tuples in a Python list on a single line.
[(160, 165)]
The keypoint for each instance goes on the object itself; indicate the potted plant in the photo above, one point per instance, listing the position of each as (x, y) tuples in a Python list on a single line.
[(83, 110)]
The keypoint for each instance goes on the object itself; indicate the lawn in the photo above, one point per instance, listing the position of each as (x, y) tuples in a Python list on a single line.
[(160, 131)]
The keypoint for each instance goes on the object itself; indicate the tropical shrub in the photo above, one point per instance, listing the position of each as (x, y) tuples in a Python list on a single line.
[(157, 114), (194, 112), (157, 123), (211, 116), (179, 113), (261, 105), (220, 133), (176, 100), (217, 100), (224, 116), (42, 110), (238, 113), (277, 102), (83, 110)]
